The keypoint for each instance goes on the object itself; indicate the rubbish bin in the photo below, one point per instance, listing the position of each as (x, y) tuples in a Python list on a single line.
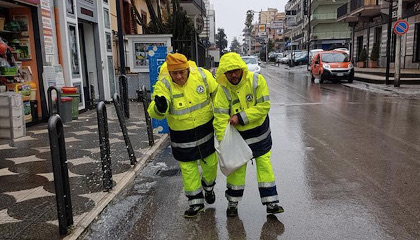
[(72, 92), (65, 109), (34, 110)]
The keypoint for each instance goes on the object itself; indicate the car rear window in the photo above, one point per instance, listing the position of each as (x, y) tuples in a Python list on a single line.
[(335, 57)]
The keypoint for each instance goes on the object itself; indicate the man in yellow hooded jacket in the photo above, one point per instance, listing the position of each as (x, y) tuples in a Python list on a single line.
[(243, 101), (183, 94)]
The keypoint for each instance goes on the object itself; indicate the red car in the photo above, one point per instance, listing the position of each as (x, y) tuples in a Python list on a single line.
[(332, 65)]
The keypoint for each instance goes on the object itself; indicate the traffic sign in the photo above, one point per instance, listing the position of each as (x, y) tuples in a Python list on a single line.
[(401, 27)]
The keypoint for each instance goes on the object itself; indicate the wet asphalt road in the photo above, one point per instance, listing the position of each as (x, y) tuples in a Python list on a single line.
[(346, 162)]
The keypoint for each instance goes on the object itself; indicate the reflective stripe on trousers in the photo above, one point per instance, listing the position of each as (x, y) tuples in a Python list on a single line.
[(191, 178), (265, 177)]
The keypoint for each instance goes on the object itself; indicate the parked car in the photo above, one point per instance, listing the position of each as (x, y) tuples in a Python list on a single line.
[(332, 65), (343, 49), (301, 58), (285, 59), (252, 63), (278, 56), (313, 52)]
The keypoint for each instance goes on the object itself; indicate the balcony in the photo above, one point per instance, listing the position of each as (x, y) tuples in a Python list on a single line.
[(364, 8), (317, 18), (193, 7), (316, 3), (343, 16), (330, 35)]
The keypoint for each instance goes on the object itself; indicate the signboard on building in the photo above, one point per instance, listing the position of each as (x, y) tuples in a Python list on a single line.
[(261, 28), (291, 20), (277, 25)]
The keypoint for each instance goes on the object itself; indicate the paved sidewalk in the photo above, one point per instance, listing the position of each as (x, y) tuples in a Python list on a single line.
[(402, 91), (27, 195)]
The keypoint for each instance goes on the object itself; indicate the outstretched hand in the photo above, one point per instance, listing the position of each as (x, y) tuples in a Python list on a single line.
[(161, 103)]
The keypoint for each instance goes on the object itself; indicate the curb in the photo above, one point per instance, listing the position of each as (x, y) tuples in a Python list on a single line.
[(108, 197)]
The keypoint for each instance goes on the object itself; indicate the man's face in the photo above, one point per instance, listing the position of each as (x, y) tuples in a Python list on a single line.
[(180, 76), (234, 76)]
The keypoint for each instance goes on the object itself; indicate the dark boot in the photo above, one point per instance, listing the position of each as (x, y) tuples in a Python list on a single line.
[(274, 208), (194, 210), (209, 196), (232, 209)]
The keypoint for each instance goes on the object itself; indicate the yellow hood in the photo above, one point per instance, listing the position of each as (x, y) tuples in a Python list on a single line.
[(228, 62)]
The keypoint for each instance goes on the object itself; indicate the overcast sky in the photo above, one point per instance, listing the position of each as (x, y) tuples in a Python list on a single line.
[(231, 14)]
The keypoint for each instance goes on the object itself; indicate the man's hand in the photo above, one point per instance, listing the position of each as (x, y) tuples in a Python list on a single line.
[(234, 120), (161, 103)]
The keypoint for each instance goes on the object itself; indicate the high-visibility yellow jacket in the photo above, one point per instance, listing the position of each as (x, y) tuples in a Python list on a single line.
[(249, 100), (190, 112)]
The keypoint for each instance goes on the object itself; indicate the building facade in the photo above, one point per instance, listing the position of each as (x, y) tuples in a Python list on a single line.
[(326, 32), (369, 19)]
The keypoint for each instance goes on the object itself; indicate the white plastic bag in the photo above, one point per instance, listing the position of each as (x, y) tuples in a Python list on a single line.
[(233, 151)]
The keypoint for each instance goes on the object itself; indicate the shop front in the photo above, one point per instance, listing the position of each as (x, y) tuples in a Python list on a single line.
[(21, 60)]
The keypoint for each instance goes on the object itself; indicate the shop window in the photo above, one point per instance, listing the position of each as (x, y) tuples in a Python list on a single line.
[(416, 53), (393, 47)]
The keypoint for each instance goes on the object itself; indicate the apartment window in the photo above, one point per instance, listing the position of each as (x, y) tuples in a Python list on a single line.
[(144, 19), (127, 18), (416, 53), (134, 23)]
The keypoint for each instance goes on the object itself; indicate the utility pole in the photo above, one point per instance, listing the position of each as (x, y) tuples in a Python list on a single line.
[(398, 49), (388, 42), (122, 79), (120, 38), (309, 29)]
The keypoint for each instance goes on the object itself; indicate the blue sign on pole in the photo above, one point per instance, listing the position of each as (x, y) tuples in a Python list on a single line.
[(401, 27), (156, 57)]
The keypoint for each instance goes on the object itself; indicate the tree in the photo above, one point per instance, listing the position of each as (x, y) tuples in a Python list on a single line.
[(221, 40), (235, 46), (248, 28), (174, 21)]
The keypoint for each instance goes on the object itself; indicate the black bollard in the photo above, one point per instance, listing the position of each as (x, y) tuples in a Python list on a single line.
[(61, 175), (123, 83), (104, 146), (57, 101), (146, 114), (121, 119)]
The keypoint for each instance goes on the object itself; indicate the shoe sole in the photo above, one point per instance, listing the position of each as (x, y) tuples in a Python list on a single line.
[(279, 211), (193, 216)]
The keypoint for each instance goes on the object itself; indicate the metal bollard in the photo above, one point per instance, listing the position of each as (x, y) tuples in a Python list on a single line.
[(121, 119), (61, 175), (123, 83), (146, 114), (104, 146), (50, 102)]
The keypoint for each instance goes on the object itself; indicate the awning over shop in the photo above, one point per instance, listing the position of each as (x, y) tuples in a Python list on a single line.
[(34, 2)]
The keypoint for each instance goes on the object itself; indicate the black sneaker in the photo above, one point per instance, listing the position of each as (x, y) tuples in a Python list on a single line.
[(194, 210), (232, 210), (274, 208), (209, 196)]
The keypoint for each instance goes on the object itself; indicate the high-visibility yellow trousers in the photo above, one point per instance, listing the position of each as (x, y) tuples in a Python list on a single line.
[(235, 182), (191, 178)]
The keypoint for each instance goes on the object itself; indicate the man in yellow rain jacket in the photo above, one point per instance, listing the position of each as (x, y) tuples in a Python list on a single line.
[(183, 94), (243, 100)]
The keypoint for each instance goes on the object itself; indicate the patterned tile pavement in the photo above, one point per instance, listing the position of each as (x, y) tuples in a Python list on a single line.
[(27, 196)]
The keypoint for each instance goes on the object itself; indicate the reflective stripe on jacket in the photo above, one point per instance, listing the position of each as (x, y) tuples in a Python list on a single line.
[(190, 112), (249, 99)]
